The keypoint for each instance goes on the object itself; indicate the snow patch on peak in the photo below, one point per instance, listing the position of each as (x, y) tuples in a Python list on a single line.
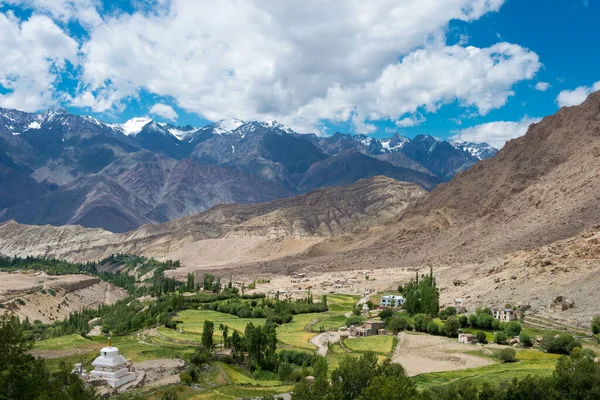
[(181, 134), (225, 126), (134, 125), (34, 125)]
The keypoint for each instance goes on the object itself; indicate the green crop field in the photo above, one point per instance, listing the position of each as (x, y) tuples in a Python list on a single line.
[(377, 344), (530, 362)]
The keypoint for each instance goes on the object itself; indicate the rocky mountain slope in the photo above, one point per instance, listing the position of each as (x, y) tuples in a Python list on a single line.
[(319, 214), (60, 168), (538, 189)]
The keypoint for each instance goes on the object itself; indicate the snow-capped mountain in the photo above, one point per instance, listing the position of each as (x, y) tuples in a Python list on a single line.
[(145, 171), (480, 151)]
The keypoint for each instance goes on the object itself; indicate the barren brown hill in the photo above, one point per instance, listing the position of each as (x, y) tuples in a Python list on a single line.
[(318, 214), (541, 188)]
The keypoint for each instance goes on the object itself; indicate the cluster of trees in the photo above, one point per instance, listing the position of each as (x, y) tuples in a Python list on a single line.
[(422, 296), (483, 319), (275, 310), (22, 377)]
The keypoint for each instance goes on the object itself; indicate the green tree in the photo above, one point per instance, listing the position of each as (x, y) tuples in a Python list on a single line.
[(207, 334), (507, 355), (512, 329), (481, 337), (525, 340), (500, 337), (353, 375), (451, 327), (397, 324)]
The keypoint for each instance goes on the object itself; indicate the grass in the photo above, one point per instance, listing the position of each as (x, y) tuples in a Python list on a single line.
[(192, 321), (530, 362), (62, 342), (341, 303), (294, 334), (376, 344), (332, 323)]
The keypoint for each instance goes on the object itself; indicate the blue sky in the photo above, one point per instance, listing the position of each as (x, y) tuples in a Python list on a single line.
[(479, 70)]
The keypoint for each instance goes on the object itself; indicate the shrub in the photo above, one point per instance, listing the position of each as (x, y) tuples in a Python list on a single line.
[(512, 329), (185, 378), (433, 328), (496, 324), (421, 321), (473, 320), (507, 355), (557, 344), (354, 320), (574, 345), (385, 314), (500, 337), (397, 324), (596, 325), (447, 312), (525, 340), (199, 358), (463, 321), (485, 321), (52, 292), (481, 337), (451, 327), (20, 301)]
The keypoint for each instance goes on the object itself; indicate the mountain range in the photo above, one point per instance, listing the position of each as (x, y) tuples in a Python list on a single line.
[(62, 169)]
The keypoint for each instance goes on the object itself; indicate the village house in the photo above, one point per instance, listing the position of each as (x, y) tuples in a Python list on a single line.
[(392, 301), (467, 338), (504, 314), (370, 328)]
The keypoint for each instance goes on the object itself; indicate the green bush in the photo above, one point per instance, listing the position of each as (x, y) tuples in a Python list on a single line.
[(52, 292), (385, 314), (421, 321), (512, 329), (354, 320), (185, 378), (446, 313), (481, 337), (574, 345), (525, 340), (500, 337), (596, 325), (433, 328), (558, 344), (463, 321), (397, 324), (200, 358), (507, 355), (20, 301), (451, 327)]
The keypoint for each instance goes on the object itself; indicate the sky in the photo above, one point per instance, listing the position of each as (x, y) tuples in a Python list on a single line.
[(474, 70)]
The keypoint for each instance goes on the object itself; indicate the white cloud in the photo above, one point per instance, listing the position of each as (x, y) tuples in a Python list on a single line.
[(164, 111), (576, 96), (407, 122), (33, 52), (429, 78), (542, 86), (495, 133), (64, 10), (299, 61), (266, 59)]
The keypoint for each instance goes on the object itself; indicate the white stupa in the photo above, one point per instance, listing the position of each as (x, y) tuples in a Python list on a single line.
[(112, 367)]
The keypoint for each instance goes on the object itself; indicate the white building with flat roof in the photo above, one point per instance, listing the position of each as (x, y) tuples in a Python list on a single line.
[(392, 301), (112, 367)]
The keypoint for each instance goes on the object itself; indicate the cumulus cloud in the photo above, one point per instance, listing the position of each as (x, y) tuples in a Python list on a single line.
[(34, 52), (266, 59), (495, 133), (412, 120), (299, 61), (576, 96), (165, 111), (64, 10), (542, 86)]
